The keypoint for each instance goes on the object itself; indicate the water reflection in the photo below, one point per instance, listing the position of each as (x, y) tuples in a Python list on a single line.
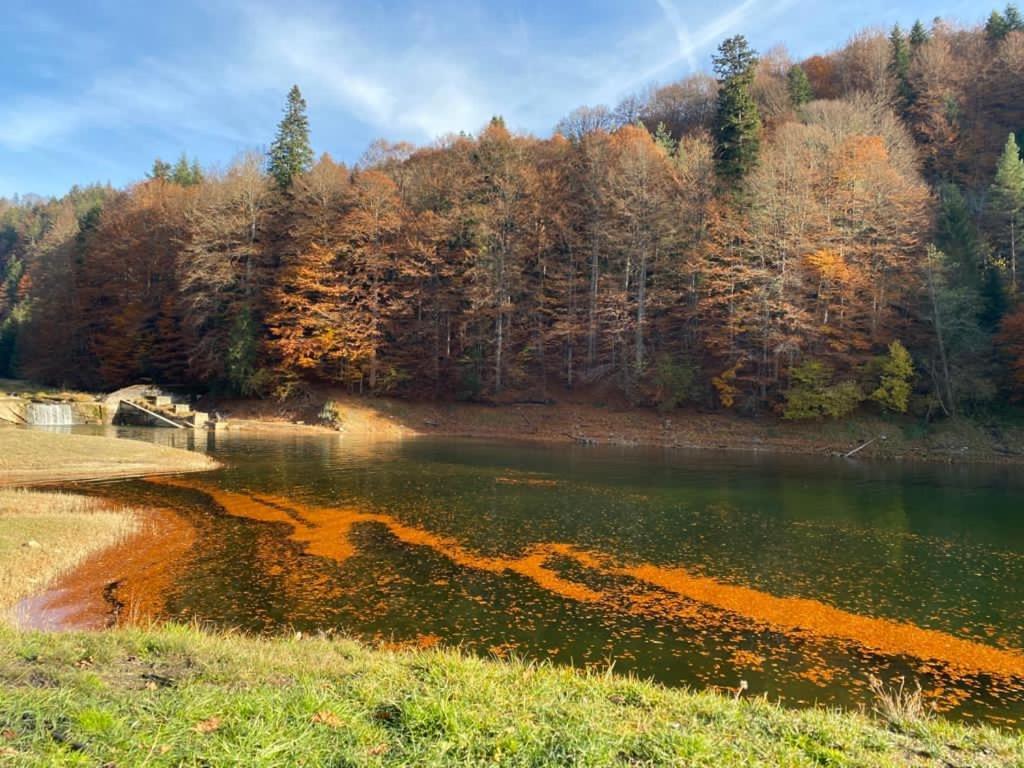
[(677, 565)]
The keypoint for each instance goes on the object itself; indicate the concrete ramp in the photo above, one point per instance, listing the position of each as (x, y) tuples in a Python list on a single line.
[(134, 413)]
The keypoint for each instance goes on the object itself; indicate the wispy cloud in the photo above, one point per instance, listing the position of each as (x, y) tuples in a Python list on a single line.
[(413, 71), (408, 88), (687, 51)]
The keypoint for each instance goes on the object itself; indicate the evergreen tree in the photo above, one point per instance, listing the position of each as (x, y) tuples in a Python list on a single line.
[(996, 27), (161, 170), (956, 234), (737, 122), (1006, 204), (918, 35), (182, 173), (1013, 19), (664, 139), (959, 362), (957, 237), (291, 154), (242, 355), (899, 67), (800, 91), (993, 299)]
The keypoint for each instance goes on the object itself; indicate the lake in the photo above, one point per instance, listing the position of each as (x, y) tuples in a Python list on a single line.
[(802, 576)]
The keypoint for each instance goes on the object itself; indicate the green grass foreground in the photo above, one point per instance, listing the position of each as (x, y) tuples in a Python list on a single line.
[(179, 696)]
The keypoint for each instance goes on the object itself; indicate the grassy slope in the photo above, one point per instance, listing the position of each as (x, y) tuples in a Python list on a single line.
[(28, 456), (65, 530), (176, 696)]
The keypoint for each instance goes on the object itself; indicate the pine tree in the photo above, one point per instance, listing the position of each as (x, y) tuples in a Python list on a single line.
[(161, 170), (182, 173), (1013, 19), (918, 36), (1007, 203), (291, 153), (737, 122), (956, 234), (664, 139), (800, 91), (899, 67), (996, 28), (242, 355)]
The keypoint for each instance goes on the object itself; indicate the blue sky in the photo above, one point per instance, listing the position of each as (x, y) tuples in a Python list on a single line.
[(93, 91)]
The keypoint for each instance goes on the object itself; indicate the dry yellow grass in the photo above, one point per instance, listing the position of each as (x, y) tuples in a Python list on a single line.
[(28, 456), (44, 535)]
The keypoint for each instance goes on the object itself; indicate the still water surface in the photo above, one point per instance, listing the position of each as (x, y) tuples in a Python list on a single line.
[(802, 576)]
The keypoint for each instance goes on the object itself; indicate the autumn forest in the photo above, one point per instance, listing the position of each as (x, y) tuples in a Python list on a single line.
[(796, 237)]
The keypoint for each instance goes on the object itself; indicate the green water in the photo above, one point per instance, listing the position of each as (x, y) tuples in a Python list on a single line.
[(939, 546)]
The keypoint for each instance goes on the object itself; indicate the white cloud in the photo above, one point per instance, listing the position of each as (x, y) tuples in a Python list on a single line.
[(33, 122), (415, 77), (407, 88)]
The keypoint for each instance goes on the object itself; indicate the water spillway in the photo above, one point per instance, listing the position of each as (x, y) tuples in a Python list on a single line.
[(49, 414)]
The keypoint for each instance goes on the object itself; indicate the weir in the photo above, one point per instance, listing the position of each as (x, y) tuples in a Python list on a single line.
[(49, 414)]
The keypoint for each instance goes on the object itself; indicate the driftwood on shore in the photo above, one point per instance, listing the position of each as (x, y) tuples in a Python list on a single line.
[(859, 447)]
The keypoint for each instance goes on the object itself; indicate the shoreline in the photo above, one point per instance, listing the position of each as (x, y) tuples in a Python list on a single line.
[(63, 554), (32, 458), (167, 695), (132, 691), (122, 582), (582, 423)]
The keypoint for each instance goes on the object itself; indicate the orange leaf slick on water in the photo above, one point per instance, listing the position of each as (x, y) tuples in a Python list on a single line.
[(325, 532)]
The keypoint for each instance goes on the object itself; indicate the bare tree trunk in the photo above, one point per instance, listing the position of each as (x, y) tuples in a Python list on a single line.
[(594, 278), (499, 340), (1013, 255), (570, 337), (949, 408), (641, 299)]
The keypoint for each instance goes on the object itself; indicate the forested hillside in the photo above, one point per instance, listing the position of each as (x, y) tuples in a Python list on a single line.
[(804, 238)]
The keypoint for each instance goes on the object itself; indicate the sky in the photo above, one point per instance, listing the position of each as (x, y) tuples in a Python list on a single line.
[(93, 92)]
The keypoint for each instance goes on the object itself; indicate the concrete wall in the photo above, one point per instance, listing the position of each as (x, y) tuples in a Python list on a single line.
[(12, 411)]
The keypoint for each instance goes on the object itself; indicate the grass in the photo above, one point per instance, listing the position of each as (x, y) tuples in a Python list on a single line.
[(44, 535), (180, 696), (28, 456), (32, 390), (901, 706)]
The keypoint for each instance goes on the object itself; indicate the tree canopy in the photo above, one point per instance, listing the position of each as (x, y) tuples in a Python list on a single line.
[(796, 237)]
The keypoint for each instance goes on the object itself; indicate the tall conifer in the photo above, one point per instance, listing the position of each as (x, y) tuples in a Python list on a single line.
[(291, 154), (1007, 203), (737, 122), (800, 91)]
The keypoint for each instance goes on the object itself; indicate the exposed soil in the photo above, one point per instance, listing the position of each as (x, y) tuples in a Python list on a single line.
[(581, 419), (125, 583)]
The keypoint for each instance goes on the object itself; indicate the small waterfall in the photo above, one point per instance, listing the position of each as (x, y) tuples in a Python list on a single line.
[(49, 414)]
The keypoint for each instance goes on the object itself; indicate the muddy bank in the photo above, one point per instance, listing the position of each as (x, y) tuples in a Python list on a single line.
[(125, 583), (73, 560), (578, 421)]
